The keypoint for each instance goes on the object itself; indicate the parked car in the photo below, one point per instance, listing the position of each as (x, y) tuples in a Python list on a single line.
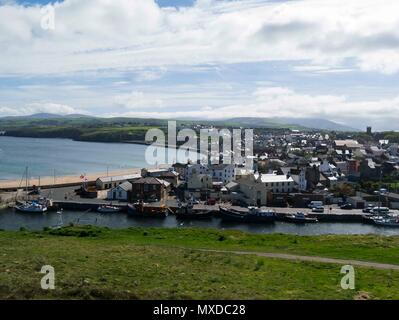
[(315, 204), (318, 209), (346, 206)]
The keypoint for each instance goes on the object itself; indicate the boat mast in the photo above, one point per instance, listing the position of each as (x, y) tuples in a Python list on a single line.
[(379, 191), (26, 184), (112, 193)]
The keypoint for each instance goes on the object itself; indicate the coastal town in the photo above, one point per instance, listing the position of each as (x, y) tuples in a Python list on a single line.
[(296, 176)]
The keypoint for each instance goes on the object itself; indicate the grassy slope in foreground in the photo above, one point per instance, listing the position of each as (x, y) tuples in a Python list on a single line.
[(163, 263)]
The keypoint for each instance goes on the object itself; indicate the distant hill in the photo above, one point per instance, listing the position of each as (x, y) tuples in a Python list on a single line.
[(78, 121), (311, 123), (46, 116)]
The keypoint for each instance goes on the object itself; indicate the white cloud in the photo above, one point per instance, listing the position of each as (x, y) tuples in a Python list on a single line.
[(150, 75), (137, 100), (271, 102), (38, 107), (95, 34)]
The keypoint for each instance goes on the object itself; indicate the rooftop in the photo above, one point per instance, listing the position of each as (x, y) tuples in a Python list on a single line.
[(119, 178), (348, 143), (275, 178)]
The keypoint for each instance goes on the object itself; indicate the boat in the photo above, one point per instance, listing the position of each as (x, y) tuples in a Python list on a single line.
[(300, 217), (387, 222), (186, 211), (108, 209), (31, 206), (142, 209), (253, 214), (372, 218)]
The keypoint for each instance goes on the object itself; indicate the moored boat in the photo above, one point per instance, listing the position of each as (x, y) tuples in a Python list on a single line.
[(252, 215), (387, 222), (31, 207), (108, 209), (187, 211), (300, 217), (144, 210)]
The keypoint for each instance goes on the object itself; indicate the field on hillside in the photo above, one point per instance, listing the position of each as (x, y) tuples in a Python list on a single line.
[(138, 263)]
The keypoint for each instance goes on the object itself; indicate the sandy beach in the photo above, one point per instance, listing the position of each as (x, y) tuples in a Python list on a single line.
[(63, 180)]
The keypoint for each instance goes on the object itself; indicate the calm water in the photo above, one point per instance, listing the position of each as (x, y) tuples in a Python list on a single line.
[(10, 220), (67, 157)]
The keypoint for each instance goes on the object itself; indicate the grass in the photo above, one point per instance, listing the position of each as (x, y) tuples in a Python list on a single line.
[(360, 247), (154, 263)]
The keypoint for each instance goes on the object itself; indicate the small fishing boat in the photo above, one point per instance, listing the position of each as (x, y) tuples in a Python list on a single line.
[(108, 209), (387, 222), (370, 218), (31, 207), (187, 211), (253, 214), (300, 217), (145, 210)]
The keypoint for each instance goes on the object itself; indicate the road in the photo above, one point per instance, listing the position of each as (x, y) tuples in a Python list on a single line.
[(334, 209), (367, 264)]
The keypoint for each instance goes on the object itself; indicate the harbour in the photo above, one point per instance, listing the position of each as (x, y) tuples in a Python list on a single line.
[(83, 209), (11, 220)]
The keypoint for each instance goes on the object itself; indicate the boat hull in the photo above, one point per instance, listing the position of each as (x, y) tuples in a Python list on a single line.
[(235, 216), (143, 212), (301, 220), (108, 210), (30, 210), (194, 215)]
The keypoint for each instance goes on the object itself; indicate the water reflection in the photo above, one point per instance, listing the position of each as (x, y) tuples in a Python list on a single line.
[(10, 220)]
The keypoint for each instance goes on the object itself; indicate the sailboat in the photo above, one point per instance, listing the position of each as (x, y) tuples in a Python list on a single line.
[(28, 206), (108, 209)]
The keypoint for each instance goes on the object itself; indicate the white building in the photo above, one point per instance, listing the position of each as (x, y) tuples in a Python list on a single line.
[(199, 182), (196, 168), (252, 191), (120, 192), (278, 183), (104, 183), (223, 172)]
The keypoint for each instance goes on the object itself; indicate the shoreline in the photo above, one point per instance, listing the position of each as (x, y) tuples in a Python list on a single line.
[(137, 142), (66, 180)]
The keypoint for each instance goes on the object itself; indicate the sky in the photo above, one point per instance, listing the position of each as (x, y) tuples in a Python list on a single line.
[(202, 59)]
